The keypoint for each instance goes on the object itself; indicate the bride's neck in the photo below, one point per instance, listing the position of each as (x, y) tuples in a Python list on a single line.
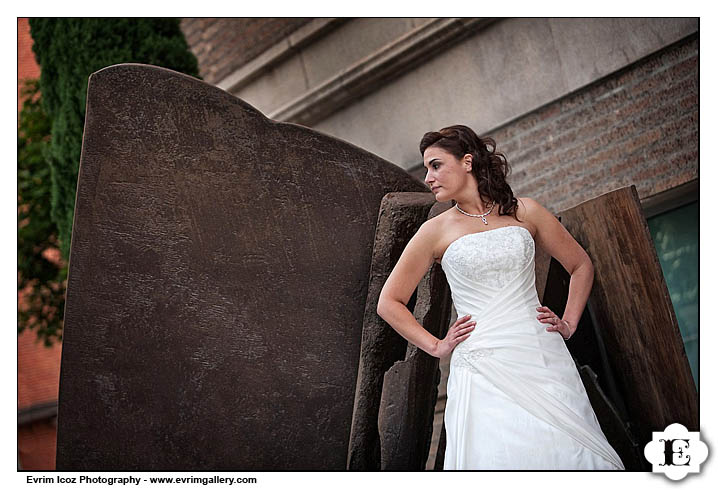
[(474, 206)]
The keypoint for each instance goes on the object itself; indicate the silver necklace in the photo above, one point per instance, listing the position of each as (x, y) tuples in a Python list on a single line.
[(482, 216)]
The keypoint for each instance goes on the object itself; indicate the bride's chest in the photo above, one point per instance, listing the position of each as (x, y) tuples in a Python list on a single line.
[(492, 257)]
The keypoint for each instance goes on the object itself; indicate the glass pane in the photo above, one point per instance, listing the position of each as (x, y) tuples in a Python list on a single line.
[(675, 235)]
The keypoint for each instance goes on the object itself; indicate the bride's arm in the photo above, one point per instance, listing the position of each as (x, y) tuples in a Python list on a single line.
[(415, 260), (558, 242)]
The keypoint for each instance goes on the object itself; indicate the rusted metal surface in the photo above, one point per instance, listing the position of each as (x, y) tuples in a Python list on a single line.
[(218, 276)]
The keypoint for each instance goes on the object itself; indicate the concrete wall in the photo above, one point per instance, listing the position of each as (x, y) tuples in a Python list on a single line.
[(509, 69), (497, 72), (222, 45)]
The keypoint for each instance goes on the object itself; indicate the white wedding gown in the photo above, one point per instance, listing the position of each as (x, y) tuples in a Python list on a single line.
[(515, 400)]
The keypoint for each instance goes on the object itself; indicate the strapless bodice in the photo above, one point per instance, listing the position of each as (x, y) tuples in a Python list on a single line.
[(491, 275), (492, 257)]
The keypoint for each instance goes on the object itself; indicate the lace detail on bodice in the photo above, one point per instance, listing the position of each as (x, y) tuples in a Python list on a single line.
[(493, 259)]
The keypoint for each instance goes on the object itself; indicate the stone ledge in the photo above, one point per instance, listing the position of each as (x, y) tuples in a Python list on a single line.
[(280, 51), (374, 70)]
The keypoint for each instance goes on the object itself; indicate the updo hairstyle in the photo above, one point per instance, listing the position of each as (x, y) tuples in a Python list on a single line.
[(489, 167)]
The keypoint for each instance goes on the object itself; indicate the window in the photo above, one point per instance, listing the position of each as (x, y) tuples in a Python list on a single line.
[(675, 236)]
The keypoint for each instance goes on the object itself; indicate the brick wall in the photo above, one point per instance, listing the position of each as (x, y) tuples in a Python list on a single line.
[(38, 367), (37, 445), (638, 126), (26, 65), (224, 45), (38, 371)]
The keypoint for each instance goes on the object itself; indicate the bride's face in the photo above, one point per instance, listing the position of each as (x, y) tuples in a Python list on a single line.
[(446, 175)]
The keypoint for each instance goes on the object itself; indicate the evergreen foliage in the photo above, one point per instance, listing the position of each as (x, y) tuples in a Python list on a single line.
[(70, 49), (41, 279)]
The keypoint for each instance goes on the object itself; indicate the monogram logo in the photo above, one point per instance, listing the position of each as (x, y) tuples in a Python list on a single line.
[(676, 452)]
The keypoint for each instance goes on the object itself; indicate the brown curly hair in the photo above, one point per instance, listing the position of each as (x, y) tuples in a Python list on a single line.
[(489, 167)]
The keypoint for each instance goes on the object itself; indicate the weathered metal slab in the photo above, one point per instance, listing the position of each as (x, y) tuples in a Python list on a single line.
[(218, 276)]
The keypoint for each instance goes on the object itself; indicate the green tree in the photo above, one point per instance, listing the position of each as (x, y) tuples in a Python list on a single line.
[(41, 274), (68, 50)]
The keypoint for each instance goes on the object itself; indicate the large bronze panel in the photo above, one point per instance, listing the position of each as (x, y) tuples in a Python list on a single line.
[(218, 276)]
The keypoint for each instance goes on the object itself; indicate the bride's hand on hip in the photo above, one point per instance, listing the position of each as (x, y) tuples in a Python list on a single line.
[(555, 323), (458, 332)]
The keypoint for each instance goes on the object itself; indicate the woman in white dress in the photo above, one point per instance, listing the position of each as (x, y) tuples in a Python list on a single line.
[(514, 397)]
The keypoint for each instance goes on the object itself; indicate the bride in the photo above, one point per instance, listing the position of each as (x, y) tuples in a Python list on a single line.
[(514, 397)]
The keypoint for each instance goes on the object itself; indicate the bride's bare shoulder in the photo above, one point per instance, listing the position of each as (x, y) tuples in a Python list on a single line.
[(430, 228), (431, 234), (527, 210), (436, 225), (526, 203)]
